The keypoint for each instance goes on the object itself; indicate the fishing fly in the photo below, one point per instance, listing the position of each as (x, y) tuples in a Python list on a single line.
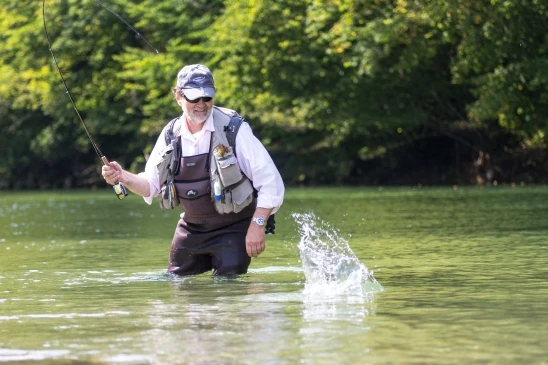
[(119, 189)]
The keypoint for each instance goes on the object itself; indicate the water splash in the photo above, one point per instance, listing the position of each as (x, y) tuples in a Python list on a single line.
[(330, 266)]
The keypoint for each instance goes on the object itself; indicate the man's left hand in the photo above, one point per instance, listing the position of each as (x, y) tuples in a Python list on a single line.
[(255, 240)]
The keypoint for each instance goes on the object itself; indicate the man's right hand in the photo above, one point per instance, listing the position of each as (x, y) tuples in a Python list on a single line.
[(113, 173)]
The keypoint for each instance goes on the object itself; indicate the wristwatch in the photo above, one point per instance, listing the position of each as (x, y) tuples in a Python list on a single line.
[(258, 220)]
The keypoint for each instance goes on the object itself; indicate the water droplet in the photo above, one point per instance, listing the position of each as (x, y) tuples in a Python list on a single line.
[(327, 259)]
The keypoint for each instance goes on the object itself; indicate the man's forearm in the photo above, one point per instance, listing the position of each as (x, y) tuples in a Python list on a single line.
[(137, 184), (263, 213)]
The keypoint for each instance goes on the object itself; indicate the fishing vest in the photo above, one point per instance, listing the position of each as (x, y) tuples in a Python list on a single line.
[(208, 185)]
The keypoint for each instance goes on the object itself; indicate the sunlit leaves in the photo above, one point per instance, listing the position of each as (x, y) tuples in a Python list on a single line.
[(362, 76)]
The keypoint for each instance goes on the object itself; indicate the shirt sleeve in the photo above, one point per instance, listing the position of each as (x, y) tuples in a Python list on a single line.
[(151, 171), (256, 163)]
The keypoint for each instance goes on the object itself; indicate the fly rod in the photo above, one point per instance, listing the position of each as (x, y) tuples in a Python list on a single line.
[(119, 189)]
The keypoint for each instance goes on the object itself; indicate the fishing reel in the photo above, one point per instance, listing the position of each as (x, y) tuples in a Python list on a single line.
[(120, 191)]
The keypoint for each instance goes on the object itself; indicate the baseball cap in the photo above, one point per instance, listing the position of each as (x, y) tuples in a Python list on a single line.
[(196, 81)]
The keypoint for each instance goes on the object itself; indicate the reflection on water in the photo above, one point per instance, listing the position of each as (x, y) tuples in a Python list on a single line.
[(232, 320)]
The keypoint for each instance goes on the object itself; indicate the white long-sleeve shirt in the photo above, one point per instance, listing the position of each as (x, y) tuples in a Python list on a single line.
[(253, 158)]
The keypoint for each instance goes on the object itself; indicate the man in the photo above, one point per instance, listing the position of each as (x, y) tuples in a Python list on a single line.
[(205, 238)]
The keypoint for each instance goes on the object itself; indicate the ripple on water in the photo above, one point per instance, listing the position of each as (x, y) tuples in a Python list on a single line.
[(11, 355), (113, 277), (276, 269), (64, 315)]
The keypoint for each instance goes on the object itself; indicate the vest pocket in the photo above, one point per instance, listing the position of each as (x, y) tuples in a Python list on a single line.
[(242, 192), (233, 198), (229, 170), (236, 188)]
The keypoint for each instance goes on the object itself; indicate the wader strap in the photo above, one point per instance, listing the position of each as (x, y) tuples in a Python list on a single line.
[(169, 136)]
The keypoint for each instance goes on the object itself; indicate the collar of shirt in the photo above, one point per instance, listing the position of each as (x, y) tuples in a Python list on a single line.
[(198, 141)]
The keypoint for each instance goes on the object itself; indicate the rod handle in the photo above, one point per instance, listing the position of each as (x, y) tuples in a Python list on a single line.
[(119, 189)]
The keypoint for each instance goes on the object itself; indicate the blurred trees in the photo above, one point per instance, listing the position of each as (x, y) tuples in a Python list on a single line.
[(360, 91)]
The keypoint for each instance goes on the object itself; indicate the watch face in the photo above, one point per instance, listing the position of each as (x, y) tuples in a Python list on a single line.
[(259, 221)]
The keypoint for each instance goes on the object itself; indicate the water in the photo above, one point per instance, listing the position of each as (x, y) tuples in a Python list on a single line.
[(330, 266), (374, 276)]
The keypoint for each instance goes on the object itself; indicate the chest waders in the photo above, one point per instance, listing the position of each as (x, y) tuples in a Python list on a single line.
[(205, 238)]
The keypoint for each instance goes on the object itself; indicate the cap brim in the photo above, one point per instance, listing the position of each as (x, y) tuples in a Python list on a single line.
[(199, 92)]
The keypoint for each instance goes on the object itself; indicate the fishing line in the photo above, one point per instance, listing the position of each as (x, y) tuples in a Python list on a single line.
[(119, 189), (129, 25)]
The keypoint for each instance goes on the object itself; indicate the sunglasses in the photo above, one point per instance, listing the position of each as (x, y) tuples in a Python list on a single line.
[(205, 99)]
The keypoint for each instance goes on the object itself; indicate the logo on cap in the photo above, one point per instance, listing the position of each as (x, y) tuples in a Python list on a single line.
[(191, 192)]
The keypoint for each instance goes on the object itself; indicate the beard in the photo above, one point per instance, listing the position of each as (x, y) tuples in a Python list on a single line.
[(197, 114)]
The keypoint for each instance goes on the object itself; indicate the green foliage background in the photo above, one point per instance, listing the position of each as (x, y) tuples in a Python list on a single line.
[(347, 91)]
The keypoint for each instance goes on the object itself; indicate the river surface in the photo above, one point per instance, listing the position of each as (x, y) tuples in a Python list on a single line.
[(352, 276)]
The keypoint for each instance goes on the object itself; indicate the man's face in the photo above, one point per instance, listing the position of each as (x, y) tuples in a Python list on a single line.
[(196, 111)]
